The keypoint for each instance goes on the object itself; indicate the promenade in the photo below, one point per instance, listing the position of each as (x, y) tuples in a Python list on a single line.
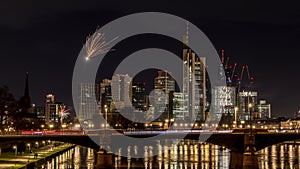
[(8, 160)]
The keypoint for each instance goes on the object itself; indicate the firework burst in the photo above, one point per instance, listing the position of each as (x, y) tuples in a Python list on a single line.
[(63, 112), (97, 45)]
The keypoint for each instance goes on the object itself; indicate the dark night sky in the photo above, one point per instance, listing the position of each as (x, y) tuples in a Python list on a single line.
[(45, 37)]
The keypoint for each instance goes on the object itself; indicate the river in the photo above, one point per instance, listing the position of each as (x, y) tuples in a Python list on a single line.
[(186, 155)]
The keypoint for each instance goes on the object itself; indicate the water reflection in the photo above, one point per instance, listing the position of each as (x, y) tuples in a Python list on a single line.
[(76, 158), (280, 156), (185, 155)]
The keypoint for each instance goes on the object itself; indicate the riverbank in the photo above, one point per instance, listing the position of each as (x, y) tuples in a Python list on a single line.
[(29, 160)]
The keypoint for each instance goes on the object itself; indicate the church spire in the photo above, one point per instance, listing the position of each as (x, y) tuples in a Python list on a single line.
[(25, 101), (26, 91)]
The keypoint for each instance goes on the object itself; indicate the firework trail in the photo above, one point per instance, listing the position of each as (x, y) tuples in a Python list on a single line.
[(96, 45)]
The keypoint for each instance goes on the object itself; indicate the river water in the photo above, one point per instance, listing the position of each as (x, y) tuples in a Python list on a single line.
[(186, 155)]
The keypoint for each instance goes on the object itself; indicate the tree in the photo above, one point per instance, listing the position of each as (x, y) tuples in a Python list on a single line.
[(7, 106)]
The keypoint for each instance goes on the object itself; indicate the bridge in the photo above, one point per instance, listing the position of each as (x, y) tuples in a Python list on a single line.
[(238, 142), (235, 141)]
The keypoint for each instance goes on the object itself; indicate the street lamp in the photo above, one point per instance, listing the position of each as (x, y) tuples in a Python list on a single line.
[(250, 109), (16, 150), (37, 145), (28, 147), (51, 126), (105, 110), (167, 123), (250, 113), (235, 114), (63, 127)]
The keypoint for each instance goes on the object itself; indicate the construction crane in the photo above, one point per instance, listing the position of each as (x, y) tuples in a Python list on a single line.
[(233, 70), (233, 78), (227, 61), (250, 79), (222, 52), (248, 84)]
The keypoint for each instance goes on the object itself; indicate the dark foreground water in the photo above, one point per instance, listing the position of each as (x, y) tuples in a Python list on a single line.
[(186, 155)]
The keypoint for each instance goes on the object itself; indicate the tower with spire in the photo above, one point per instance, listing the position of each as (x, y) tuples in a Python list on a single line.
[(25, 101), (194, 82), (25, 118)]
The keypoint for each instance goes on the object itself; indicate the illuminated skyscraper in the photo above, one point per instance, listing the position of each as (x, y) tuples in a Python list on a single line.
[(121, 88), (264, 109), (244, 99), (179, 106), (52, 110), (105, 95), (194, 82), (224, 100), (88, 101), (164, 84), (139, 96)]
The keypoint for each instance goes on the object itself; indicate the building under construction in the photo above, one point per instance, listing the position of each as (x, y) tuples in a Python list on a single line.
[(234, 101)]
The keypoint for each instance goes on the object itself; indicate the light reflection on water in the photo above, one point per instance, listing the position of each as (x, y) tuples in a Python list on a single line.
[(185, 155), (280, 156)]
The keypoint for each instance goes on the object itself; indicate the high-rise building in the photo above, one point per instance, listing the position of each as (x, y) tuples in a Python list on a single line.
[(106, 102), (88, 102), (264, 109), (246, 103), (52, 111), (121, 88), (50, 98), (179, 106), (40, 112), (224, 101), (139, 96), (105, 96), (194, 82), (164, 83)]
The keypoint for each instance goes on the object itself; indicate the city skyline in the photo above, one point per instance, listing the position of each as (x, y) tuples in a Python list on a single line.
[(149, 84), (48, 52)]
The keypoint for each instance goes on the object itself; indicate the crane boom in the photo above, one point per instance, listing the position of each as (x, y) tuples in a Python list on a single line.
[(241, 77), (222, 51), (233, 70), (248, 73), (227, 60)]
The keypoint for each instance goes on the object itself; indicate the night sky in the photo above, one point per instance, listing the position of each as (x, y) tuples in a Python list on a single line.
[(45, 38)]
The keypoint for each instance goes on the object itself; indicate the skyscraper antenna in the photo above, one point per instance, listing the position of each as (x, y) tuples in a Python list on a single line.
[(187, 34)]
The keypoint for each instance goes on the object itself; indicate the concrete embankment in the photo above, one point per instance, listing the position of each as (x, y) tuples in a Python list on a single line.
[(31, 160)]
